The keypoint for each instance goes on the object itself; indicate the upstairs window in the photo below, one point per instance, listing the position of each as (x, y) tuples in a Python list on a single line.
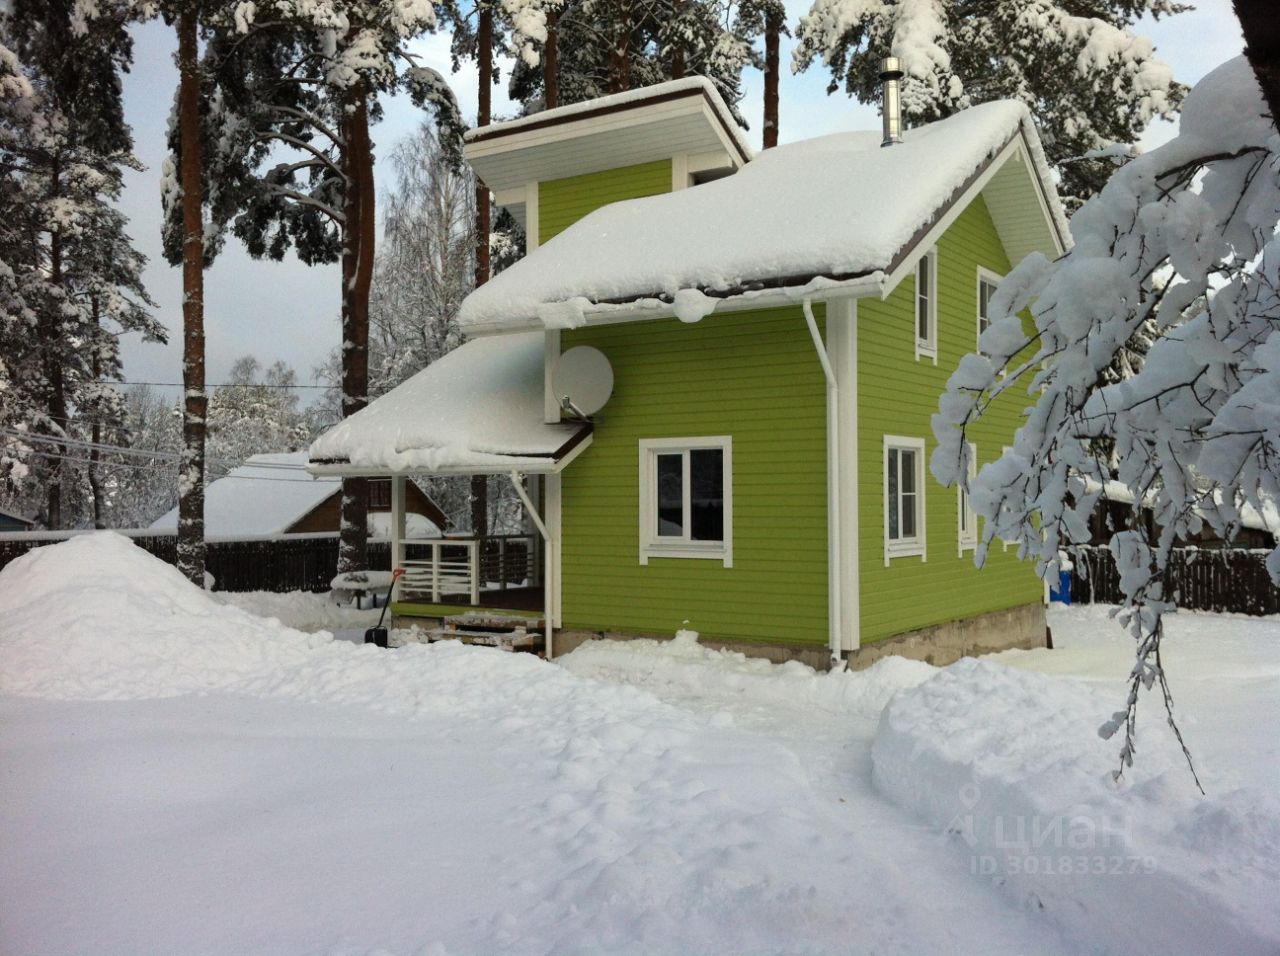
[(380, 493), (686, 501), (903, 497), (987, 283), (927, 306)]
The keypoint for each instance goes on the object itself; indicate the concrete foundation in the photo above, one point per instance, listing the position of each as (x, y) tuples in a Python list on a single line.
[(941, 644)]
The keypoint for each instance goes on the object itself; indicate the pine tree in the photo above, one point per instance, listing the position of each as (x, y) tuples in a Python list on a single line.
[(288, 81), (608, 46), (79, 274), (1089, 81)]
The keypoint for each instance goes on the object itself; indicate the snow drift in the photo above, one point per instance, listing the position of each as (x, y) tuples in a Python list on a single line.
[(1010, 762)]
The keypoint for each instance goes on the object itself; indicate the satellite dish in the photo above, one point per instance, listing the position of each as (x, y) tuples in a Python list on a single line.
[(582, 380)]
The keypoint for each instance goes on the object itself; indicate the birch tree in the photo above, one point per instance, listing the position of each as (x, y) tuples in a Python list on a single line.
[(1194, 434)]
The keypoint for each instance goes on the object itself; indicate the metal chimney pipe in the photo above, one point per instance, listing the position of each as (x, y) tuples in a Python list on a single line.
[(891, 107)]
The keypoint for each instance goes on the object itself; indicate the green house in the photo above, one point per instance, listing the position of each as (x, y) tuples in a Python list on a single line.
[(711, 382)]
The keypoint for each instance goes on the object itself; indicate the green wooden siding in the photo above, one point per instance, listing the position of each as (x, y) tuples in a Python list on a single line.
[(562, 202), (897, 395), (753, 376)]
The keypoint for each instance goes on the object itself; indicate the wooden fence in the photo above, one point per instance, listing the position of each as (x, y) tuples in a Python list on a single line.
[(295, 562), (1231, 579)]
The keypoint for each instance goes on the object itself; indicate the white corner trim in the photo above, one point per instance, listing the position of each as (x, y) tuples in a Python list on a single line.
[(679, 172), (842, 343), (652, 546), (531, 217), (550, 356), (917, 546)]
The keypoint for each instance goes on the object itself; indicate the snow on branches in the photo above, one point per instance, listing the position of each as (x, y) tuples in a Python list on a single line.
[(1182, 239), (1089, 81)]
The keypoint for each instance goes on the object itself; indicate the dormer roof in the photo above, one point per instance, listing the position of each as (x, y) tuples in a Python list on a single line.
[(684, 116)]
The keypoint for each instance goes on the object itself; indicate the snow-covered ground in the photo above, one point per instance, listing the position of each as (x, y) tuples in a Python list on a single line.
[(183, 776)]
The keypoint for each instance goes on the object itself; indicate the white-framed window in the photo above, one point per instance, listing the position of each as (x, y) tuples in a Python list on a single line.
[(987, 283), (686, 498), (926, 315), (903, 497), (966, 520)]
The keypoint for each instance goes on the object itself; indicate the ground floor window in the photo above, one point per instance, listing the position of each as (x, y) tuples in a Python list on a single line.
[(903, 497), (686, 500)]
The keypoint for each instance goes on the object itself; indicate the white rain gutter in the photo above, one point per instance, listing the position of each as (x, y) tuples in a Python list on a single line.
[(834, 610), (548, 584)]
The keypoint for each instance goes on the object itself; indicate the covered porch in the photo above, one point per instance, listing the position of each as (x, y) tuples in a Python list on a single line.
[(480, 410)]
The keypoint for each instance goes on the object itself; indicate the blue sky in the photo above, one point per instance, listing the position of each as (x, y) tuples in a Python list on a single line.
[(289, 311)]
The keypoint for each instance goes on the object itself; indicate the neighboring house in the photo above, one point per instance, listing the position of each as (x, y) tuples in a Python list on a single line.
[(13, 522), (274, 494), (1115, 512), (778, 329)]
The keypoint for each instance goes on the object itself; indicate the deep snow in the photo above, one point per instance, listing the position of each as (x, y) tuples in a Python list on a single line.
[(248, 788)]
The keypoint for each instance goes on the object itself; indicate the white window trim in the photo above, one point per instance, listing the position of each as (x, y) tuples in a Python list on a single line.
[(968, 540), (984, 275), (911, 547), (652, 546), (926, 347)]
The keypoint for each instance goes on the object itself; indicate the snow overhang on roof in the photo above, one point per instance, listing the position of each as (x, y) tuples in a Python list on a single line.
[(477, 410), (834, 215), (684, 116)]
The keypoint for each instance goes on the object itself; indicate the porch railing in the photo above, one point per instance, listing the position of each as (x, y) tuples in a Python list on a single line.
[(435, 568)]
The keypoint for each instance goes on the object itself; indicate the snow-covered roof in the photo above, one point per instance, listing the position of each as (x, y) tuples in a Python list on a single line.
[(16, 517), (831, 209), (265, 495), (478, 409)]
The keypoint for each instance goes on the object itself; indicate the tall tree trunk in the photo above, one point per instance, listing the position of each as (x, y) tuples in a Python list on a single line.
[(1261, 27), (359, 235), (772, 32), (484, 59), (95, 484), (484, 56), (195, 401), (53, 370), (551, 62), (620, 54)]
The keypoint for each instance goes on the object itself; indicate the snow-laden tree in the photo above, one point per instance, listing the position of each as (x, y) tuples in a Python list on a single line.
[(1195, 433), (608, 46), (1088, 79), (255, 412), (294, 88), (64, 147)]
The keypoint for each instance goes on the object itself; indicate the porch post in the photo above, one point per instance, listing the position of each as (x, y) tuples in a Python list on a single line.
[(397, 531), (547, 610)]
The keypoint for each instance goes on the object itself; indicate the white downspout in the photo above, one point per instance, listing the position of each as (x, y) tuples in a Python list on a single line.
[(548, 551), (834, 611)]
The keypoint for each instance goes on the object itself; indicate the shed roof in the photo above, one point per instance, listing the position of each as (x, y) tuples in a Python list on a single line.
[(828, 209), (265, 495), (477, 410)]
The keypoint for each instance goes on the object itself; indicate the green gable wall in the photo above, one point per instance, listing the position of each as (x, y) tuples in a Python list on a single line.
[(562, 202), (753, 376), (897, 395)]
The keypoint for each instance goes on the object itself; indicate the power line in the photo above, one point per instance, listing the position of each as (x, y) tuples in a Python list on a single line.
[(157, 454), (139, 467), (220, 385)]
